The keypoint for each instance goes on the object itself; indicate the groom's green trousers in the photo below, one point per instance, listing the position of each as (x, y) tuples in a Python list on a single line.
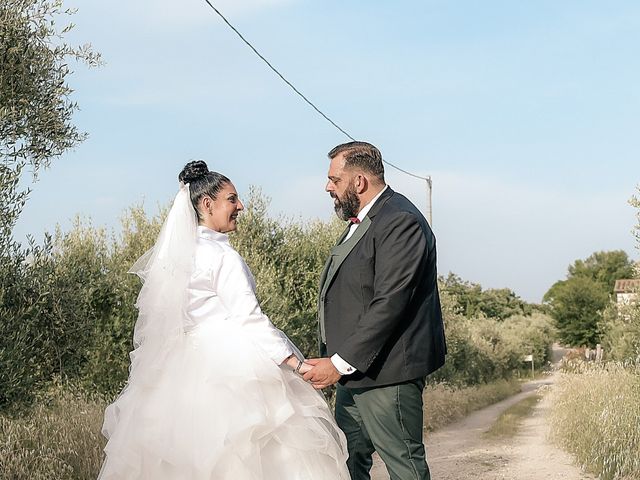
[(387, 420)]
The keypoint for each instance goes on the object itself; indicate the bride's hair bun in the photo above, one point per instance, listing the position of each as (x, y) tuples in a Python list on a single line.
[(201, 182), (193, 171)]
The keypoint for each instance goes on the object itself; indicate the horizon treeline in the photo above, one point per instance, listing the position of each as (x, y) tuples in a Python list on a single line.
[(68, 306)]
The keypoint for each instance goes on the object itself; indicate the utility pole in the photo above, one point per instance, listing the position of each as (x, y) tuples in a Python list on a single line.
[(427, 179), (429, 200)]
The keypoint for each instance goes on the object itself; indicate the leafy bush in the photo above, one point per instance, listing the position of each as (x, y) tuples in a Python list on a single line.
[(26, 353), (482, 349), (67, 308), (577, 303), (70, 309), (621, 332), (114, 294), (498, 303), (286, 259)]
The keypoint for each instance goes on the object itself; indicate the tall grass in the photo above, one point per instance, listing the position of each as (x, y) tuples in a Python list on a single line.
[(445, 404), (596, 417), (58, 439)]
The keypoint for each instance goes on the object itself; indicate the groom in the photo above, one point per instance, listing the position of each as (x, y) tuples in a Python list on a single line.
[(379, 317)]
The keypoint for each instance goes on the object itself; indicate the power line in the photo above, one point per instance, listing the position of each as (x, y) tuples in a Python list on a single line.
[(309, 102), (277, 72)]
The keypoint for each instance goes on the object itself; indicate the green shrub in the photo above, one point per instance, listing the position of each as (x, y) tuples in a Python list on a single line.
[(70, 310), (621, 332), (286, 259), (114, 294), (482, 349)]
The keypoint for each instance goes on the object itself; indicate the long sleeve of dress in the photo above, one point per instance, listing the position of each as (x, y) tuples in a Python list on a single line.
[(235, 287)]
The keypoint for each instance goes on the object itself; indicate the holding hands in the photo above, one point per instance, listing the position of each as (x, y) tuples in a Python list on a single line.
[(321, 373)]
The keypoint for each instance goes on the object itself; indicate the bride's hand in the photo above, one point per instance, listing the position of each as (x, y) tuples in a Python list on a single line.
[(305, 368)]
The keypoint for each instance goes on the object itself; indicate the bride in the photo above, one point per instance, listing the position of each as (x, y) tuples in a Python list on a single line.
[(214, 389)]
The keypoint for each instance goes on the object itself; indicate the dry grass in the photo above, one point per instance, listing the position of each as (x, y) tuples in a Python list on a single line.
[(508, 423), (596, 417), (445, 404), (58, 439)]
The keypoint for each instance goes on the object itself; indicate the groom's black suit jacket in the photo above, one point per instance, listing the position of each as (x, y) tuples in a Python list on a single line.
[(382, 308)]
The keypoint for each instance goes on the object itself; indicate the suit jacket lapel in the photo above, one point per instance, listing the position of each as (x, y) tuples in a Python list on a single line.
[(339, 254), (357, 235), (327, 264)]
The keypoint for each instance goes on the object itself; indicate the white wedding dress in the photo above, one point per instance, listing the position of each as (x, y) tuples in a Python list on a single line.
[(215, 404)]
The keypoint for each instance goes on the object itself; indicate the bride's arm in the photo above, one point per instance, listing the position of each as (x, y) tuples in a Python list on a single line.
[(297, 364), (235, 288)]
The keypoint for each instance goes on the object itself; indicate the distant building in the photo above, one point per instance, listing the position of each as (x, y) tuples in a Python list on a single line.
[(626, 290)]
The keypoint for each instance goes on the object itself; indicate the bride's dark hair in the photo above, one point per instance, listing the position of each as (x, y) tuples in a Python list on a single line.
[(201, 182)]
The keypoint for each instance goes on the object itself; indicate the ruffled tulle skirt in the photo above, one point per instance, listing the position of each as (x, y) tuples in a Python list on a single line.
[(221, 409)]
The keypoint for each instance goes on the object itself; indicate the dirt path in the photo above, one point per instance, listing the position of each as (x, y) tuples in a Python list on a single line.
[(461, 451)]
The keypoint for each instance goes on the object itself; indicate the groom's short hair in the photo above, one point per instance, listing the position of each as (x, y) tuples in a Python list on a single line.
[(361, 155)]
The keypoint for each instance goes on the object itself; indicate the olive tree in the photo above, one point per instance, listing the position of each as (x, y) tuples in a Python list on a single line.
[(36, 111)]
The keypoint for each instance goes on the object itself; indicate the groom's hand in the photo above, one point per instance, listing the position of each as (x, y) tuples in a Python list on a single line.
[(322, 374)]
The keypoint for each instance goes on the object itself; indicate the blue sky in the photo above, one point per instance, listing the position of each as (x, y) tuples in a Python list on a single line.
[(526, 114)]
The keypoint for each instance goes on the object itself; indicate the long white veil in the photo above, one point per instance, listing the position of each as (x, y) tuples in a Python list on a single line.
[(165, 270)]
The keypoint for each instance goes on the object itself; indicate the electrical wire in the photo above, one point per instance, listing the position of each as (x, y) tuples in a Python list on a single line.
[(300, 94)]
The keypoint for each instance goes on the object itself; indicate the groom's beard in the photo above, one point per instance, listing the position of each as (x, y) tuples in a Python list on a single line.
[(349, 205)]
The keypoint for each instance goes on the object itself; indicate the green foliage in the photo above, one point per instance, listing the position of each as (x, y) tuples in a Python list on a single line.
[(35, 127), (621, 331), (27, 356), (35, 100), (577, 303), (604, 268), (596, 409), (472, 300), (595, 416), (481, 350), (12, 201), (286, 259), (113, 293), (35, 103), (47, 310), (620, 325), (79, 299), (70, 309)]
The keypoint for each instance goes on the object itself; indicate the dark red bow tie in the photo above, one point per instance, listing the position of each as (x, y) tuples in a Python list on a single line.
[(354, 220)]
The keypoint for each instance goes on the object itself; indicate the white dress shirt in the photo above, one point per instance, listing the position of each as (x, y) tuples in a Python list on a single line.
[(341, 365), (222, 288)]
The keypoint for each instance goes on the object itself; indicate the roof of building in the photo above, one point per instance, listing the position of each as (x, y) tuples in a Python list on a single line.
[(627, 285)]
